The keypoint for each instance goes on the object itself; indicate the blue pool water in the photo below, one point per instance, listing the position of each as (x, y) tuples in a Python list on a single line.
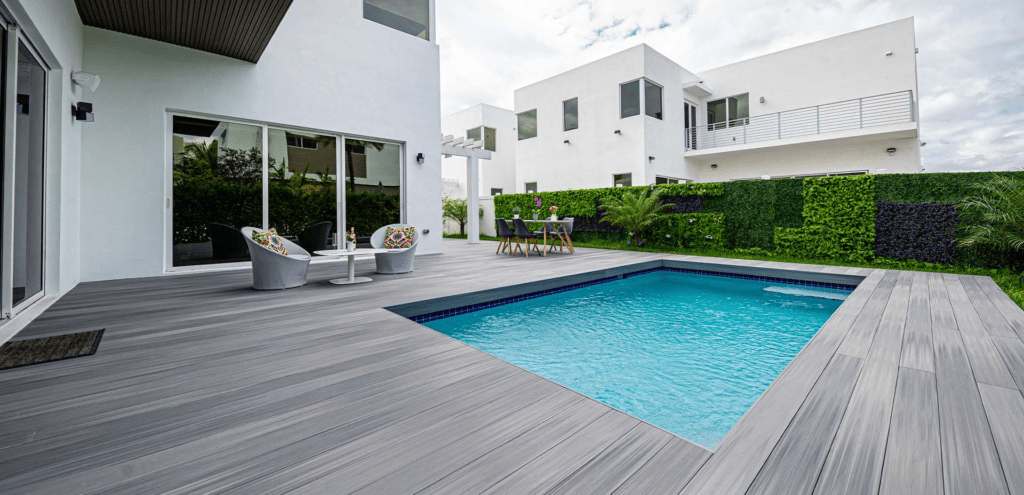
[(688, 353)]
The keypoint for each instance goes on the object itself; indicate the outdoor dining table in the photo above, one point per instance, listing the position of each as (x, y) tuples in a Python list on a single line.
[(556, 224), (352, 279)]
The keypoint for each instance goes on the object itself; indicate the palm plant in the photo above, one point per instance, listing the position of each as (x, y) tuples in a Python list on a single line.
[(1000, 207), (634, 213)]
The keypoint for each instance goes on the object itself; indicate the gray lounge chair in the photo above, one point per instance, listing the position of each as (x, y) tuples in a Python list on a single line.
[(395, 260), (272, 270)]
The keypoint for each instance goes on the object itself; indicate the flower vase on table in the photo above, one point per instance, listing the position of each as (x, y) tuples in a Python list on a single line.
[(351, 244), (553, 210), (535, 215)]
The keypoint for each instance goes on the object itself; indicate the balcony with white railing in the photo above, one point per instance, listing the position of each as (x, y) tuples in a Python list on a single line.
[(849, 115)]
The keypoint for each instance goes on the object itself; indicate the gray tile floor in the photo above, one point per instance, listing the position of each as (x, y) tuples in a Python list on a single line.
[(202, 385)]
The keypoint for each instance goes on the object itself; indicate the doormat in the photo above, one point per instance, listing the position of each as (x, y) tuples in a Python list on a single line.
[(47, 349)]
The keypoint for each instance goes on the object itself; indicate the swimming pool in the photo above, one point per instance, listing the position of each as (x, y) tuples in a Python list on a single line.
[(687, 352)]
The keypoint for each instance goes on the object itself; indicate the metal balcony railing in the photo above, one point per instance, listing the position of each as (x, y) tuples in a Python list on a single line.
[(871, 111)]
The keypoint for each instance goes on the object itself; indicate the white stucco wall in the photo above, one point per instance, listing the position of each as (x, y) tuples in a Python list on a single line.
[(594, 153), (326, 69)]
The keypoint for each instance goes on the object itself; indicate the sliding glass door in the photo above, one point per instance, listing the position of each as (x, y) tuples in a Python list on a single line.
[(28, 177), (22, 174), (373, 186), (228, 175)]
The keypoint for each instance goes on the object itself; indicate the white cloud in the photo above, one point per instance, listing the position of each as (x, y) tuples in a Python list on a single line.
[(970, 69)]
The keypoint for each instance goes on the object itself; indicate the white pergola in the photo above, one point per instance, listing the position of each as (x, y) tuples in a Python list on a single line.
[(473, 151)]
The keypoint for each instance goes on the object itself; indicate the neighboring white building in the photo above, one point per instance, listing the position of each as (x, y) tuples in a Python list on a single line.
[(844, 105), (350, 87), (497, 127)]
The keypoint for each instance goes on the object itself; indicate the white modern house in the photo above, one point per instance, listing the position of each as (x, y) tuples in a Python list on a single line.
[(348, 90), (844, 105)]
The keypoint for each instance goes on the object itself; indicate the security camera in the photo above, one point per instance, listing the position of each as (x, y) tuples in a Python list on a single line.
[(86, 80)]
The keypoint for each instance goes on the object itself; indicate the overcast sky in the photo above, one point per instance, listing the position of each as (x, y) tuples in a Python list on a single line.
[(970, 68)]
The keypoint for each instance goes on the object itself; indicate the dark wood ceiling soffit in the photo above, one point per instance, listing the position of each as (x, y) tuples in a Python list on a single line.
[(234, 28)]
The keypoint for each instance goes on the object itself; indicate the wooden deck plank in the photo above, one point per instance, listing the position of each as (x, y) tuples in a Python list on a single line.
[(854, 462), (987, 365), (664, 473), (1009, 310), (970, 463), (1005, 410), (858, 340), (796, 461), (918, 352), (1012, 351), (993, 321), (913, 460)]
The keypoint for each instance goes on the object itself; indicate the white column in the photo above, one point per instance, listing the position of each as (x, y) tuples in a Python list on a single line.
[(473, 199)]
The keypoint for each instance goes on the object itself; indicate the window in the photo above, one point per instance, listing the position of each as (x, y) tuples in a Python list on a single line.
[(652, 99), (623, 180), (570, 114), (629, 99), (728, 112), (531, 187), (495, 191), (300, 142), (408, 16), (527, 124), (668, 180), (490, 139), (473, 134)]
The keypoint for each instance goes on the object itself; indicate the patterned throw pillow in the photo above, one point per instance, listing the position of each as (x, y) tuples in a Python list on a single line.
[(398, 237), (270, 240)]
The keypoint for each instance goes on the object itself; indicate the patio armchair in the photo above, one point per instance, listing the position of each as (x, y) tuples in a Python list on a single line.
[(315, 237), (394, 261), (505, 234), (226, 241), (523, 233), (272, 270)]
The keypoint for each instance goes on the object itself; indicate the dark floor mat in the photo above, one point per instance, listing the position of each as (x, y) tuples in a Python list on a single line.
[(46, 349)]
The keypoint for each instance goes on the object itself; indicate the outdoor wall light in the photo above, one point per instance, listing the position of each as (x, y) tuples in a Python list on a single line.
[(891, 151), (419, 158), (618, 131), (762, 99), (714, 165), (86, 80), (888, 54), (651, 158), (566, 141), (83, 112)]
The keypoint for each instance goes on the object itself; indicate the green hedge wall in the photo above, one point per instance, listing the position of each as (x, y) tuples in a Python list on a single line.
[(692, 230), (583, 202), (752, 210), (839, 220)]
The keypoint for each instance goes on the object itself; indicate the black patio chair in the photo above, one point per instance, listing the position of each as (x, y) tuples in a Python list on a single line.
[(315, 237), (523, 233), (228, 242), (505, 234)]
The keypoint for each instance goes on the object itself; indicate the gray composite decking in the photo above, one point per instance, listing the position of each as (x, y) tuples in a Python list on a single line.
[(203, 385)]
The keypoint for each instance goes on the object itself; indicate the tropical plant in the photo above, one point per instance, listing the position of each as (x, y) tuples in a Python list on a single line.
[(634, 213), (457, 210), (352, 147), (196, 159), (1000, 207)]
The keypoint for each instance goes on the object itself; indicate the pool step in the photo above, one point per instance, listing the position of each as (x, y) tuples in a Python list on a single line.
[(798, 291)]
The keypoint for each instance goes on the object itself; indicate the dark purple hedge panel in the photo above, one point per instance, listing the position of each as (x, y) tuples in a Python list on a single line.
[(917, 231), (682, 204)]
